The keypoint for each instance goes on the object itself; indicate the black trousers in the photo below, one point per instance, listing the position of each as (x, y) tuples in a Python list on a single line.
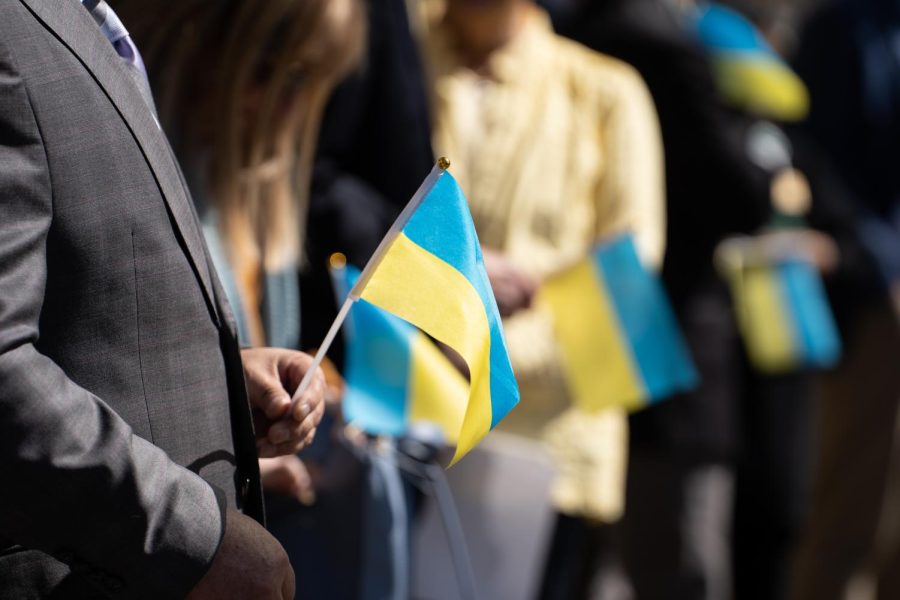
[(774, 473), (578, 550)]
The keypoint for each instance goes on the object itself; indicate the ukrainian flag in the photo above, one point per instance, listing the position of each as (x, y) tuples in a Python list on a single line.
[(749, 74), (429, 271), (620, 343), (784, 316), (394, 374)]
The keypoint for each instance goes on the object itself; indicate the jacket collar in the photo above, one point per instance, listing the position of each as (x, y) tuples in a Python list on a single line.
[(75, 28)]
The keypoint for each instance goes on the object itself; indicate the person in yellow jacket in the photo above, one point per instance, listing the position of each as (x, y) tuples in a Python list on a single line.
[(556, 147)]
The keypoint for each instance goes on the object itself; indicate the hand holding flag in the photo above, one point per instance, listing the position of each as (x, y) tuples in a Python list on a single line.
[(780, 302)]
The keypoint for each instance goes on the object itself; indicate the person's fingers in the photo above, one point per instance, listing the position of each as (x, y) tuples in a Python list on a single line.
[(269, 450), (289, 437), (528, 286), (309, 425), (506, 299), (309, 438), (287, 475), (265, 450), (274, 399), (824, 250), (281, 474), (316, 417), (287, 430), (511, 298), (311, 399), (299, 476), (498, 268), (301, 481), (264, 388), (306, 414), (292, 366), (523, 295)]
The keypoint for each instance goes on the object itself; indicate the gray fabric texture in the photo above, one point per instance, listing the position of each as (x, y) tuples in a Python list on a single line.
[(122, 401)]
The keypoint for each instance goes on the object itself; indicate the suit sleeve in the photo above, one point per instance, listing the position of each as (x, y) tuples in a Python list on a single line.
[(76, 482)]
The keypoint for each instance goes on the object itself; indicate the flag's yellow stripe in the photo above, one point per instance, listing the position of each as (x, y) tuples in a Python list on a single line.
[(597, 360), (418, 286), (437, 391), (763, 84), (767, 330)]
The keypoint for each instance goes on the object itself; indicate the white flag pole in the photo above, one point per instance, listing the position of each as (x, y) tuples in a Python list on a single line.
[(442, 165)]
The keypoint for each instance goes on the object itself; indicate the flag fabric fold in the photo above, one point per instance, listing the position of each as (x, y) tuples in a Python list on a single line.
[(431, 273), (394, 375), (619, 341)]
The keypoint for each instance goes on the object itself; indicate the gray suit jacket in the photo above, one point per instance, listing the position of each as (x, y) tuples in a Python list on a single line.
[(122, 402)]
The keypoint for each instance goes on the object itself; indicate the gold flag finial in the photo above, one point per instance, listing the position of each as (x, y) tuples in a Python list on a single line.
[(444, 163), (337, 261)]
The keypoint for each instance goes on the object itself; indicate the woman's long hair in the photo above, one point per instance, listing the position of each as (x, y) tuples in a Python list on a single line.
[(241, 86)]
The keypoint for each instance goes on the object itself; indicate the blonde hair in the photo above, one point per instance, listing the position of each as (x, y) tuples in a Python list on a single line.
[(207, 57)]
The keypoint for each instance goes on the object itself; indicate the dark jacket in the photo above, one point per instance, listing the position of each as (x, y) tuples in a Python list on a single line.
[(712, 190), (851, 144), (374, 151)]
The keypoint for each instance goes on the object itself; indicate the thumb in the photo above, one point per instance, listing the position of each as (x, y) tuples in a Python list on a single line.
[(273, 400)]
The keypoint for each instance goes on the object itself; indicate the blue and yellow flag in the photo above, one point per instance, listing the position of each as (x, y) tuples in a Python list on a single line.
[(429, 271), (784, 316), (620, 342), (748, 73), (395, 376)]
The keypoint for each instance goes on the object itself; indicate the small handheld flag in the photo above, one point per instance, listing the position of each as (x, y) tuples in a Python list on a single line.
[(428, 270), (749, 74), (782, 309), (394, 375), (619, 340)]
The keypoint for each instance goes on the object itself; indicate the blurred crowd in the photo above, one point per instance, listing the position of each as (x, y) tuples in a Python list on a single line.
[(743, 129)]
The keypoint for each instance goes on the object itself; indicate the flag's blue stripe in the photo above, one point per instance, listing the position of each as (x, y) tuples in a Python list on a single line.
[(377, 368), (443, 226), (814, 327), (659, 350), (722, 29)]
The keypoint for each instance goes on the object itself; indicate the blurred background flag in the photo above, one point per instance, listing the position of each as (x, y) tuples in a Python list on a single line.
[(749, 74), (782, 309), (395, 375), (620, 342), (429, 271)]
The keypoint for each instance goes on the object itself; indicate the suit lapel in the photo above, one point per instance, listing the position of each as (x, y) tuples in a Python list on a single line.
[(75, 28)]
